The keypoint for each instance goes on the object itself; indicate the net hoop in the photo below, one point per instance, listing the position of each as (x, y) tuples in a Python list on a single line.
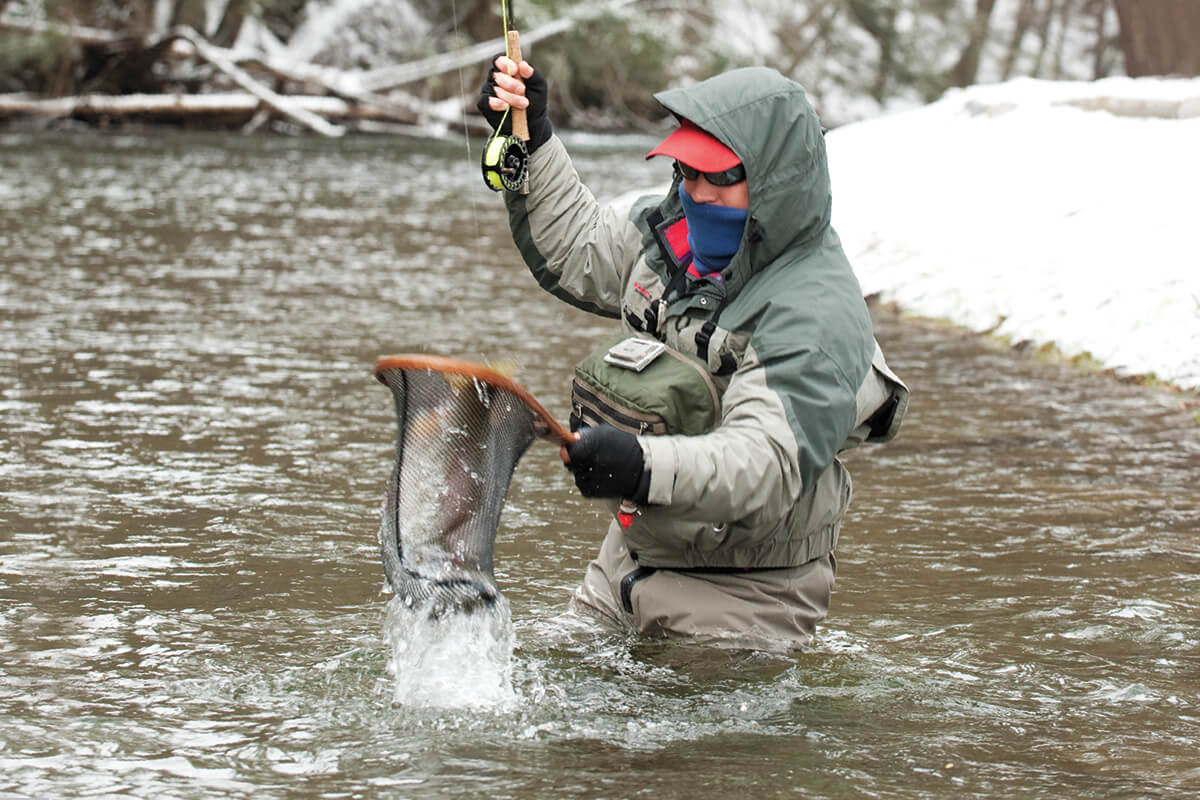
[(556, 431)]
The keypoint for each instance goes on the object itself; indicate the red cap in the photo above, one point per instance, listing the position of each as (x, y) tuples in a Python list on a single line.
[(696, 148)]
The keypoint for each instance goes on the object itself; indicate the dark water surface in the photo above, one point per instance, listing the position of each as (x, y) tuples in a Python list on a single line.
[(192, 453)]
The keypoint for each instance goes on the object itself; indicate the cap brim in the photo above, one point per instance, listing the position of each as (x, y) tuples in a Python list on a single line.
[(696, 148)]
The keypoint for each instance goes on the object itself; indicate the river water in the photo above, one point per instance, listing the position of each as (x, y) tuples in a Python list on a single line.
[(193, 451)]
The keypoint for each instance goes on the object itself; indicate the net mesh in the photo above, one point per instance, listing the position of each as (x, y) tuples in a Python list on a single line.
[(458, 441)]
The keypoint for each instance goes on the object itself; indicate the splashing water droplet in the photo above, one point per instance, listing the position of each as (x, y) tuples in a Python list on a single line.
[(453, 661)]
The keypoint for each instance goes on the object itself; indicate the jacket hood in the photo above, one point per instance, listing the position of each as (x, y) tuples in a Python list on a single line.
[(767, 121)]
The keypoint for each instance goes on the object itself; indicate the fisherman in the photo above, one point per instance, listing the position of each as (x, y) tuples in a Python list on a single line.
[(725, 532)]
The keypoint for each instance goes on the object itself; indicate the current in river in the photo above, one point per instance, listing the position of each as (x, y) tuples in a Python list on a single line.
[(193, 452)]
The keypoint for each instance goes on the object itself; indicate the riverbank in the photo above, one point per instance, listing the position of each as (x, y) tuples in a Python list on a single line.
[(1055, 215)]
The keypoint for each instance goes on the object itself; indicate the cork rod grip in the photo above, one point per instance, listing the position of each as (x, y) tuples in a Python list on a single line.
[(520, 125)]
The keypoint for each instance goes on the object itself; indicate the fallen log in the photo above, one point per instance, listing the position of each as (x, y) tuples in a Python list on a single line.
[(284, 105), (402, 107), (1161, 108), (180, 105)]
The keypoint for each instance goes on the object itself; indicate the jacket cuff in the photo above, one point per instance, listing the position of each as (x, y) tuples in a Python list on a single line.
[(549, 158), (658, 460)]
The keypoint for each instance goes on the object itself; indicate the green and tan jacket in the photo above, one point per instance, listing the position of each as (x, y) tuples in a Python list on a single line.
[(791, 350)]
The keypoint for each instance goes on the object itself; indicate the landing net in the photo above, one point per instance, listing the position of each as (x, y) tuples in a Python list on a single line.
[(461, 428)]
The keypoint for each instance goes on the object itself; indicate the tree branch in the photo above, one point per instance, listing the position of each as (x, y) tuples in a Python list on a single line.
[(384, 78), (76, 33), (216, 56)]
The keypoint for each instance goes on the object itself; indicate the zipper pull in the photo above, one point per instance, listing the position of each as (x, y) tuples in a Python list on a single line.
[(625, 514), (660, 316)]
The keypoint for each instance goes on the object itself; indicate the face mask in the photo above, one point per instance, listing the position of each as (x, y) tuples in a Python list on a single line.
[(714, 232)]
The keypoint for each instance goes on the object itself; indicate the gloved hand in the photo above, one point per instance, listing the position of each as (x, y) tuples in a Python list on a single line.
[(535, 90), (608, 463)]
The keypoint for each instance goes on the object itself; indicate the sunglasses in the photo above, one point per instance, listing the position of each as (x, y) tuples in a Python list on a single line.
[(726, 177)]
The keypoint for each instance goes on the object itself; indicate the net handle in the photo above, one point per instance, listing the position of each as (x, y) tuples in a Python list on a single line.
[(556, 431)]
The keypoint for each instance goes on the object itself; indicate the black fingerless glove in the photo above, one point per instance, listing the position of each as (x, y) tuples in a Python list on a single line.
[(608, 463), (536, 90)]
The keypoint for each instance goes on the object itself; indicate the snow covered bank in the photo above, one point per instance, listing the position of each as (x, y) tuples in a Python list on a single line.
[(1032, 209)]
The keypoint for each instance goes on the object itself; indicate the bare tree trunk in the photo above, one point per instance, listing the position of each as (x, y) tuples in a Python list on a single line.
[(141, 18), (879, 20), (1158, 37), (190, 13), (800, 40), (280, 17), (1066, 12), (231, 23), (1045, 23), (966, 70), (1101, 60), (887, 56), (479, 20), (1025, 17)]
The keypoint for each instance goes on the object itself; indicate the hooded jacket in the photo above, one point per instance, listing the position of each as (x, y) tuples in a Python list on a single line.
[(786, 334)]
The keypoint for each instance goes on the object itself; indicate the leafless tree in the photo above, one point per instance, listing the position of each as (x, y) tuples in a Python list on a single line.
[(879, 19), (966, 70), (1104, 50), (1026, 14), (188, 12), (1045, 20), (1158, 37), (231, 23)]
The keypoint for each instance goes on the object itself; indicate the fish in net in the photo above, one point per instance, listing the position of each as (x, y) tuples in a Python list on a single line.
[(461, 428)]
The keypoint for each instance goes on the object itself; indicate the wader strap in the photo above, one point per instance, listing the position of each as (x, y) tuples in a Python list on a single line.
[(704, 335), (627, 583), (676, 284)]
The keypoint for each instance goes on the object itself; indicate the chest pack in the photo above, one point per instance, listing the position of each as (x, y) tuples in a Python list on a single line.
[(641, 386)]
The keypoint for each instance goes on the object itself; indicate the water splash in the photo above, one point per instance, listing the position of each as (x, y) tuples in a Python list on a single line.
[(451, 661)]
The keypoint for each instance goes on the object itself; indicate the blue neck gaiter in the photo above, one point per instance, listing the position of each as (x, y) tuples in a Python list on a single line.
[(714, 232)]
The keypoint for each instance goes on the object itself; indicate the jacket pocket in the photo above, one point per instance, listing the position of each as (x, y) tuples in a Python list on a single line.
[(669, 393)]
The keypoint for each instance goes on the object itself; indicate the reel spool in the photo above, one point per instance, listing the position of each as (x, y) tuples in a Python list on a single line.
[(505, 163)]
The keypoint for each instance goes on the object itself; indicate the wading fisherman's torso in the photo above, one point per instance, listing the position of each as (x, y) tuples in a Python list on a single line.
[(783, 332)]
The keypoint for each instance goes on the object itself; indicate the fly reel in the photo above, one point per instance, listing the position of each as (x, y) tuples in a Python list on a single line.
[(505, 163), (506, 158)]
